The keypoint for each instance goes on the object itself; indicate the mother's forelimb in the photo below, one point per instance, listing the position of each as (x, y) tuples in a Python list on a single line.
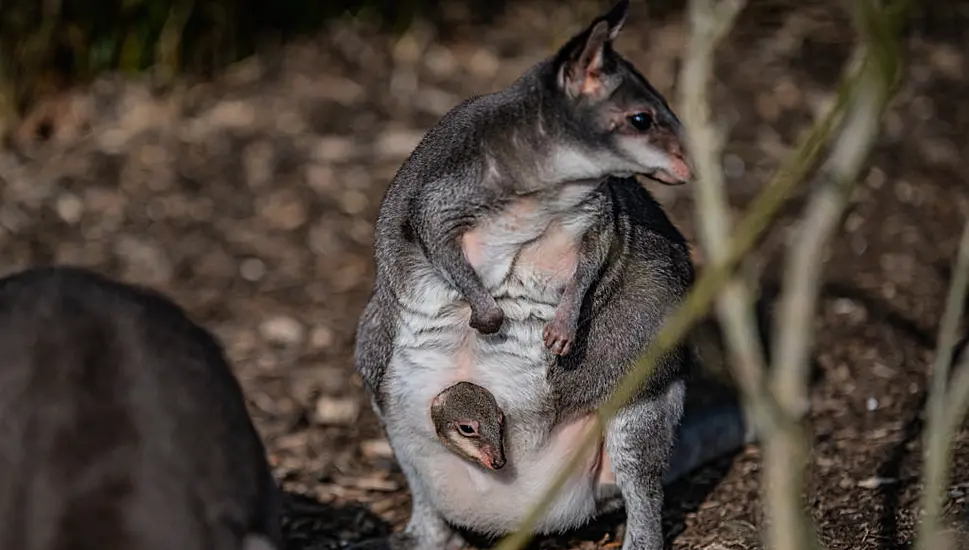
[(443, 214)]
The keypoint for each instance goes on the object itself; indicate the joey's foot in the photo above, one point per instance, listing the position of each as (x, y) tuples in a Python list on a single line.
[(487, 320), (559, 335)]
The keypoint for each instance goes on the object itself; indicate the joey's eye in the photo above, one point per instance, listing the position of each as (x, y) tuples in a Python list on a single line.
[(467, 429), (641, 121)]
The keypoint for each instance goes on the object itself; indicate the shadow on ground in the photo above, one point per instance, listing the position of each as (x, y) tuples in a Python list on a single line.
[(309, 524)]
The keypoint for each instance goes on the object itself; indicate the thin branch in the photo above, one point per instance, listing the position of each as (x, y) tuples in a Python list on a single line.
[(945, 410), (709, 24), (734, 304), (803, 270), (786, 450)]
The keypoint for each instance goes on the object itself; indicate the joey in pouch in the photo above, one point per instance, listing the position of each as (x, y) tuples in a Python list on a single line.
[(467, 420), (525, 202), (123, 424)]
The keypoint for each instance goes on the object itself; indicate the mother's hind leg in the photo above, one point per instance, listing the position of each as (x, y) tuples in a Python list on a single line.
[(639, 441)]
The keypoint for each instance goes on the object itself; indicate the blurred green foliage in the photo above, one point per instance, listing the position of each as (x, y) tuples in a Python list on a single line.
[(48, 44)]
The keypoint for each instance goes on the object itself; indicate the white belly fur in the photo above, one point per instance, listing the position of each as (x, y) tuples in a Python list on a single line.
[(513, 369)]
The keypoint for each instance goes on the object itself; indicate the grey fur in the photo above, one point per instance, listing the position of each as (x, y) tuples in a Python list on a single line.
[(546, 139), (121, 424)]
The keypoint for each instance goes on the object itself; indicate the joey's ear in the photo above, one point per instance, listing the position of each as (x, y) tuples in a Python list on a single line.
[(580, 61)]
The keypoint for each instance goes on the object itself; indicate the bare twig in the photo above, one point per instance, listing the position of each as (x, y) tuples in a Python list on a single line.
[(945, 409), (709, 23), (734, 304), (786, 450), (803, 271)]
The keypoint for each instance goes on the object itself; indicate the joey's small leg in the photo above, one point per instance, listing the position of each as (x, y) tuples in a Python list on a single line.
[(560, 332), (639, 441)]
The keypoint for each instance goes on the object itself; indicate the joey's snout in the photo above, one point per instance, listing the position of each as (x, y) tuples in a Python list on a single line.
[(492, 458)]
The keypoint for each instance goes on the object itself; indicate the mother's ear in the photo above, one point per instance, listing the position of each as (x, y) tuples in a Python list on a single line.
[(616, 18), (579, 62)]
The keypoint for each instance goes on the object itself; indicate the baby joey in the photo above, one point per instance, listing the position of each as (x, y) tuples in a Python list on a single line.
[(469, 422)]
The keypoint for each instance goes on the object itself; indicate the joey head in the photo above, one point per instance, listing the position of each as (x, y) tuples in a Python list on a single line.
[(468, 421)]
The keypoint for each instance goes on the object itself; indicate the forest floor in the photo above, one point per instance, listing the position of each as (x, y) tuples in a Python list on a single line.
[(251, 198)]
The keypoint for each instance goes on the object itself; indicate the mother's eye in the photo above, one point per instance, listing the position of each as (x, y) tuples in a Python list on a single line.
[(640, 121)]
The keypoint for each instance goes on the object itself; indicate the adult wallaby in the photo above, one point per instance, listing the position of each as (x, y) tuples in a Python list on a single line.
[(516, 251)]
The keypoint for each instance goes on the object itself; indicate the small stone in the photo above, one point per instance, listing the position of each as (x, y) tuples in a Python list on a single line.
[(154, 155), (333, 149), (845, 306), (408, 49), (145, 260), (337, 410), (252, 269), (70, 208), (290, 123), (232, 114), (339, 89), (484, 64), (787, 94), (320, 178), (282, 330), (871, 404), (354, 202), (948, 60), (875, 482), (321, 337), (440, 61), (377, 448), (824, 462), (398, 143), (767, 107), (733, 166), (284, 209), (257, 162)]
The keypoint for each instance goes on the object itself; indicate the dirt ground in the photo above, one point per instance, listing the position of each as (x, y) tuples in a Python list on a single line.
[(251, 198)]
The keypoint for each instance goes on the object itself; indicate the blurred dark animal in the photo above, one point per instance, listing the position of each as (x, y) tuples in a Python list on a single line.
[(121, 424)]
